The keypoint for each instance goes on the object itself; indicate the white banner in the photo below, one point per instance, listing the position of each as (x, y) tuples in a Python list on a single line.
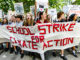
[(43, 37)]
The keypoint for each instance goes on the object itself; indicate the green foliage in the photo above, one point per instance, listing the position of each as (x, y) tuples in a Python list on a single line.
[(58, 4), (77, 2), (5, 5)]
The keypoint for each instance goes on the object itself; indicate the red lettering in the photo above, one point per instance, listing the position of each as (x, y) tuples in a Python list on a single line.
[(41, 29), (49, 43), (34, 46), (44, 45), (71, 27), (24, 44), (55, 27), (56, 42), (49, 25)]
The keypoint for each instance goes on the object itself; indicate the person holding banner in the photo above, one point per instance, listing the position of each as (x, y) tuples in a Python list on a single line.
[(43, 18), (19, 19), (61, 18), (13, 20), (28, 22), (73, 18), (19, 23), (48, 18), (13, 23), (5, 22)]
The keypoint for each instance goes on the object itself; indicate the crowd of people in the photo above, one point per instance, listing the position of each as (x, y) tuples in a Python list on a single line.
[(28, 20)]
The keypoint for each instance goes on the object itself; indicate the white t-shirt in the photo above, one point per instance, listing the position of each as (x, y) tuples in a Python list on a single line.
[(13, 24), (19, 24)]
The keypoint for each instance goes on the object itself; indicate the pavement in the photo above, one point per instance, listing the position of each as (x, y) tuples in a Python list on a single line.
[(48, 56)]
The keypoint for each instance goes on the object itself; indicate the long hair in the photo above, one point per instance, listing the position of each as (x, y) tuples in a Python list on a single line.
[(71, 18), (26, 22), (3, 21), (48, 19), (59, 14), (41, 13)]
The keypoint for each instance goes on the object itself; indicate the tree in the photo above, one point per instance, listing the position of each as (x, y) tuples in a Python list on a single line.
[(77, 2), (5, 5), (58, 4)]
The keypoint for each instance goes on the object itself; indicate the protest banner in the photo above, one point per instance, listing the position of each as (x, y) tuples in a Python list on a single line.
[(19, 8), (43, 37)]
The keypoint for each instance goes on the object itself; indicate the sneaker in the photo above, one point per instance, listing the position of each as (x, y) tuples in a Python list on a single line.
[(74, 55), (54, 54), (76, 46), (33, 57), (16, 52), (63, 57), (1, 52), (22, 55), (6, 49), (11, 50)]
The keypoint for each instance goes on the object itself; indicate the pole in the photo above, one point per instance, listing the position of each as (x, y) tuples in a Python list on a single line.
[(35, 8)]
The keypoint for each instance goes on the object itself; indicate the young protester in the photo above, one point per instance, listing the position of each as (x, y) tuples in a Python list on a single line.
[(48, 18), (28, 22), (5, 22), (73, 18), (43, 18), (13, 23), (19, 23), (61, 18)]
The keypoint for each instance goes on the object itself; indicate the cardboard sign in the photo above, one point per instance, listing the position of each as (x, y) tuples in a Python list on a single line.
[(42, 1), (53, 14), (75, 9), (19, 8), (42, 4), (72, 9), (32, 9)]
